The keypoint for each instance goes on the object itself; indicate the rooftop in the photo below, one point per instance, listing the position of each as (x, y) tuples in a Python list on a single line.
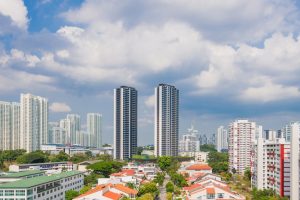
[(25, 183), (199, 167), (22, 174)]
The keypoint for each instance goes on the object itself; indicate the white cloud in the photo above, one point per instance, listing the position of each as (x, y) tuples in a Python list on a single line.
[(59, 107), (150, 101), (269, 92), (16, 11)]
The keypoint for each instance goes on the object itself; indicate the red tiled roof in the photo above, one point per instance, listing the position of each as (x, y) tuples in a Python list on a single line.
[(129, 172), (192, 187), (210, 190), (125, 189), (198, 167), (96, 189), (112, 195)]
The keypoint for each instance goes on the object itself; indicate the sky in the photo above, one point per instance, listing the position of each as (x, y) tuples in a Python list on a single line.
[(230, 59)]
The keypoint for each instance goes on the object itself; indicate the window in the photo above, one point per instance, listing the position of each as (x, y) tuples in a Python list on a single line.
[(1, 192), (29, 192), (20, 192), (9, 192), (220, 195)]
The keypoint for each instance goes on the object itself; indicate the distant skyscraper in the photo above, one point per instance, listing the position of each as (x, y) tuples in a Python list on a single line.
[(190, 141), (74, 129), (241, 135), (94, 129), (9, 125), (34, 122), (166, 120), (125, 122), (56, 134), (222, 139)]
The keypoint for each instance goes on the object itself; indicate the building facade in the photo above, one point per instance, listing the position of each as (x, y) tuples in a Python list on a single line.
[(166, 121), (94, 129), (73, 128), (271, 165), (34, 122), (9, 125), (222, 139), (241, 135), (125, 122), (56, 134), (190, 142)]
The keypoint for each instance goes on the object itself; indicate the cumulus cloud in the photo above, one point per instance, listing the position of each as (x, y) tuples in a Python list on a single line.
[(59, 107), (13, 16)]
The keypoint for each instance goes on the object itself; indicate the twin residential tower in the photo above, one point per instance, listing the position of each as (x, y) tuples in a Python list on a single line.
[(165, 123)]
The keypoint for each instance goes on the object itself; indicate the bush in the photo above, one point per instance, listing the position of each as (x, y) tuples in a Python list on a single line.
[(170, 187)]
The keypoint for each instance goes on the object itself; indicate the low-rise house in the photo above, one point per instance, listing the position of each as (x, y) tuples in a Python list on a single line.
[(43, 187), (198, 156), (195, 168), (210, 190), (108, 192)]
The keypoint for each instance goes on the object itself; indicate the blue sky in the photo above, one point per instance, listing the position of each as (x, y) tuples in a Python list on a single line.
[(230, 59)]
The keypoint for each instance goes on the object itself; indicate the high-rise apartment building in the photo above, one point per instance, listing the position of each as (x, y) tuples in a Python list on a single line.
[(73, 128), (241, 135), (125, 122), (271, 165), (94, 129), (222, 139), (166, 122), (34, 122), (294, 128), (190, 142), (56, 134), (9, 125)]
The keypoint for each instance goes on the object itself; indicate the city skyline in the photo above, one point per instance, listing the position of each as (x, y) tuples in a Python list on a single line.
[(227, 65)]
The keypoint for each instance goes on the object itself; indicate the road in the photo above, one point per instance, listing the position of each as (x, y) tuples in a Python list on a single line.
[(162, 189)]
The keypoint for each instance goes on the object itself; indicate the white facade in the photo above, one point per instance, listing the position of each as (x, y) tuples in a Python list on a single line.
[(222, 139), (166, 122), (34, 122), (190, 141), (198, 156), (56, 134), (94, 129), (295, 170), (271, 165), (74, 128), (9, 125), (241, 135)]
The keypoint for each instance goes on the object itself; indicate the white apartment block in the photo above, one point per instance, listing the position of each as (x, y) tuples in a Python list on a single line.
[(9, 125), (241, 135), (166, 121), (222, 139), (56, 134), (198, 156), (190, 141), (74, 128), (34, 122), (271, 165), (295, 155), (94, 129), (43, 187)]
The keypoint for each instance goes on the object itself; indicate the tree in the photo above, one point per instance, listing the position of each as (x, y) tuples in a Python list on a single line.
[(164, 162), (139, 150), (169, 196), (266, 195), (106, 168), (131, 185), (247, 174), (106, 145), (85, 189), (170, 187), (92, 179), (71, 194), (79, 157), (89, 154), (147, 196), (32, 157), (159, 178), (104, 157), (208, 148), (178, 180), (218, 161), (60, 157), (148, 188)]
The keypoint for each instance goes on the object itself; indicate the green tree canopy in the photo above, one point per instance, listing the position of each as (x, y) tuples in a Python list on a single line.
[(164, 162), (60, 157), (71, 194), (208, 148), (148, 188), (147, 196), (170, 187), (106, 168), (218, 161), (33, 157)]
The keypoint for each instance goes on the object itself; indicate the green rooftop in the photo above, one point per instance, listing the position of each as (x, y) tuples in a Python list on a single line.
[(22, 174), (28, 183)]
